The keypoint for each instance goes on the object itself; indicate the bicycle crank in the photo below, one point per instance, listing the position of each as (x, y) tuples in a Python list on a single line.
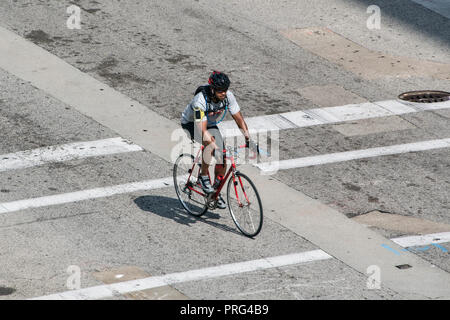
[(211, 202)]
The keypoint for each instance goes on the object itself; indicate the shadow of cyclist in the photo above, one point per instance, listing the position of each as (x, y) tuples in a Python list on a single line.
[(171, 208)]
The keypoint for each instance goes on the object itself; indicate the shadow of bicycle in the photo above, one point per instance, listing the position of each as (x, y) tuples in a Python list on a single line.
[(171, 208)]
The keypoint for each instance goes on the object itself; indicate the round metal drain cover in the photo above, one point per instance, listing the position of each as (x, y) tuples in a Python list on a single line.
[(425, 96), (4, 291)]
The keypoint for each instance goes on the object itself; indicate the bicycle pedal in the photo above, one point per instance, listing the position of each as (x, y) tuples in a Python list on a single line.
[(212, 204)]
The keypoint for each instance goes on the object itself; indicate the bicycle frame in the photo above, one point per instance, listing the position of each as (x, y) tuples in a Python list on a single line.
[(231, 171), (247, 215)]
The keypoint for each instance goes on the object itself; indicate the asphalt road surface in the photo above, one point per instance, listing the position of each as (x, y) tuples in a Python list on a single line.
[(362, 183)]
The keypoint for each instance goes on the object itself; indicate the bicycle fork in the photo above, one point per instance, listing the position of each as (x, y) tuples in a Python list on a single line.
[(233, 171), (235, 183)]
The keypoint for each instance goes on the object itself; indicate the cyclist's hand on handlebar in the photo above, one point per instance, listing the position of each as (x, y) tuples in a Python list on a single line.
[(252, 145)]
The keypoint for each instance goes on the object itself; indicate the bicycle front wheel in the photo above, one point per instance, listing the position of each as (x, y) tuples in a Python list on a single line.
[(185, 177), (244, 204)]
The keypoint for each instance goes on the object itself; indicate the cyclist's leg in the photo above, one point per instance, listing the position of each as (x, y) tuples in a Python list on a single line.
[(208, 151), (220, 168), (207, 154), (204, 172), (194, 134), (206, 157)]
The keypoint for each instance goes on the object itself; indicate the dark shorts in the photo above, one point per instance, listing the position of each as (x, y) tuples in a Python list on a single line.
[(191, 129)]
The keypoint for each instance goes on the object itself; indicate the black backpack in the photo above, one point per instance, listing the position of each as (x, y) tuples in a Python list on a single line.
[(206, 90), (207, 94)]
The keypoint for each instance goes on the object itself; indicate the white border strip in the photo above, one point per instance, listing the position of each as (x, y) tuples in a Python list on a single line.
[(111, 290), (65, 152), (353, 155), (328, 115)]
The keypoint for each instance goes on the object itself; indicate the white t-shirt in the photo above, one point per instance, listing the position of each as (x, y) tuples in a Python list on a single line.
[(198, 103)]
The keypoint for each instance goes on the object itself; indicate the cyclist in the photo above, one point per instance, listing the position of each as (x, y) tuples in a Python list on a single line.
[(199, 119)]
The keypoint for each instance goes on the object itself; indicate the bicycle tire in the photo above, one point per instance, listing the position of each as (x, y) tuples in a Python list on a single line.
[(242, 218), (198, 206)]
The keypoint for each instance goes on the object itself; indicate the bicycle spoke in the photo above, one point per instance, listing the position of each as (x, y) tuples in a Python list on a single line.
[(245, 205), (185, 181)]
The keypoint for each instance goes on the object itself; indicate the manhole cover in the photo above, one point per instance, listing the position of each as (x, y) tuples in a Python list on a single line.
[(4, 291), (426, 96)]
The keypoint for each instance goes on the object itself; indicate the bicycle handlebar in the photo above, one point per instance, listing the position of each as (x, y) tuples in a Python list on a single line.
[(234, 150), (251, 145)]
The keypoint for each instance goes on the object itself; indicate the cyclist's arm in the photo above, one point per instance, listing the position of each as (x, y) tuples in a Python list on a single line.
[(200, 119), (239, 119), (201, 122)]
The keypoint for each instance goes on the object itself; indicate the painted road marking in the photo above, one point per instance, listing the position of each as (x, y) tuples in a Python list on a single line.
[(65, 152), (353, 155), (111, 108), (111, 290), (266, 167), (86, 94), (129, 273), (85, 195), (423, 240), (105, 291), (328, 115)]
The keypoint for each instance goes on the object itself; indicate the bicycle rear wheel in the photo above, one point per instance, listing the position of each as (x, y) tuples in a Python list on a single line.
[(245, 204), (188, 192)]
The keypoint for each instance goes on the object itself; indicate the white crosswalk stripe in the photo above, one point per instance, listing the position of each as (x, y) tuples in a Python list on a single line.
[(422, 240), (84, 195), (111, 290), (105, 291), (65, 152), (353, 155), (329, 115), (266, 167)]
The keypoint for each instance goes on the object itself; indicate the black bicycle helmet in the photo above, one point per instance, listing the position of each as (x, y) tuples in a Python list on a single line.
[(219, 81)]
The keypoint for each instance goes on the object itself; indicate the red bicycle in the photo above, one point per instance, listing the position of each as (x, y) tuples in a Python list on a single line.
[(243, 199)]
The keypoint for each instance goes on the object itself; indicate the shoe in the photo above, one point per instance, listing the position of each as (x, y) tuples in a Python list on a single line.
[(221, 203), (206, 185)]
